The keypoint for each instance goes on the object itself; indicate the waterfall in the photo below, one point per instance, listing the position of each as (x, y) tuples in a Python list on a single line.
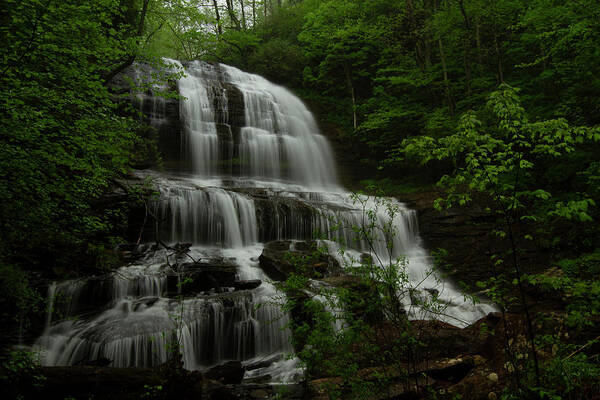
[(256, 169)]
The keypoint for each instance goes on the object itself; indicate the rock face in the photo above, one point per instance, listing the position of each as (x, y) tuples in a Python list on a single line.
[(159, 104), (280, 258), (467, 235), (202, 277)]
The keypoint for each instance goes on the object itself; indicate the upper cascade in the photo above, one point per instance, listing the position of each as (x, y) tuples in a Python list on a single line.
[(275, 137)]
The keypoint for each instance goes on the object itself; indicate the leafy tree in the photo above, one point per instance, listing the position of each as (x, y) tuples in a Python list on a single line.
[(498, 158), (64, 138)]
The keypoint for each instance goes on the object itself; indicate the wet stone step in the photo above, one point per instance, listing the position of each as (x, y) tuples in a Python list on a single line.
[(230, 372), (248, 284), (262, 363), (199, 278)]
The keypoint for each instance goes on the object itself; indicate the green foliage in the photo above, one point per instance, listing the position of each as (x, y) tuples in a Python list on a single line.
[(278, 59), (153, 392), (64, 139), (499, 158), (19, 372), (582, 297), (21, 302), (500, 154), (357, 333)]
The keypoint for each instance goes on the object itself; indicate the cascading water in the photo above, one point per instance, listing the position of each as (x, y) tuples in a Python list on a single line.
[(257, 170)]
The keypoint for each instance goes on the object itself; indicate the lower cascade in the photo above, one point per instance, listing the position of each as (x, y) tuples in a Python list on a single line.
[(251, 168)]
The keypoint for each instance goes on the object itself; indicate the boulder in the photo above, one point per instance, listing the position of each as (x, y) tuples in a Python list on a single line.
[(247, 285), (131, 252), (281, 258), (262, 363), (445, 340), (201, 277), (230, 372)]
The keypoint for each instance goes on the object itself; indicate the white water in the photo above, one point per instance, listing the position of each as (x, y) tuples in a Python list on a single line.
[(279, 182)]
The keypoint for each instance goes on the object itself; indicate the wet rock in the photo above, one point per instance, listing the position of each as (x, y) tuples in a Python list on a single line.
[(252, 391), (493, 377), (86, 295), (475, 386), (200, 277), (445, 340), (231, 372), (99, 362), (449, 370), (236, 112), (182, 247), (132, 251), (259, 394), (273, 211), (265, 362), (259, 379), (247, 285), (160, 112), (281, 258)]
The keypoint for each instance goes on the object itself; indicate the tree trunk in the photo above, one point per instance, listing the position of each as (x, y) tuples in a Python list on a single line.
[(412, 27), (231, 12), (129, 60), (253, 13), (499, 57), (243, 14), (218, 17), (446, 81), (352, 94), (478, 43), (464, 14), (467, 63), (467, 47), (429, 8)]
